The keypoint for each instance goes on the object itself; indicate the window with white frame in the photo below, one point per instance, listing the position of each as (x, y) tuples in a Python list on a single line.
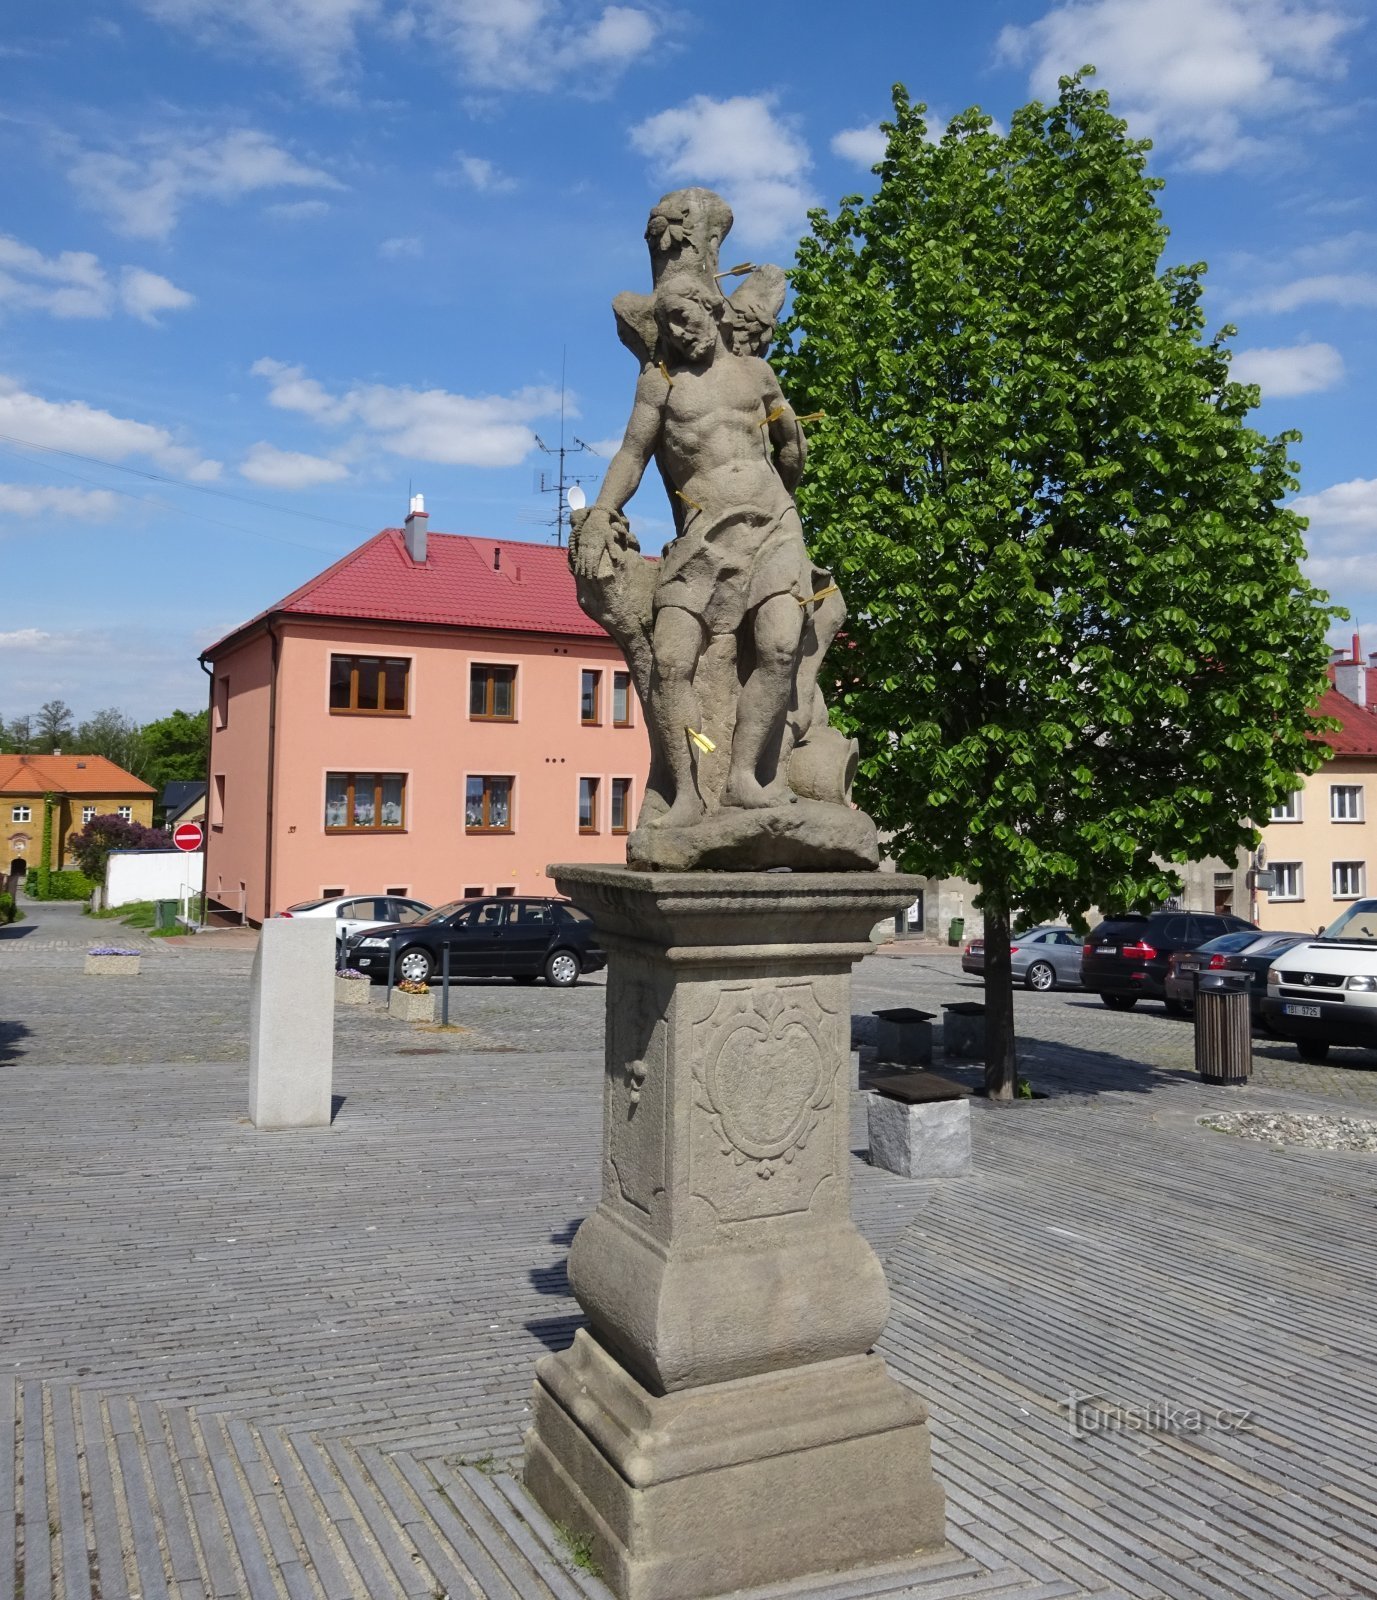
[(88, 814), (1289, 809), (127, 812), (1345, 802), (1288, 881), (21, 814), (1348, 879)]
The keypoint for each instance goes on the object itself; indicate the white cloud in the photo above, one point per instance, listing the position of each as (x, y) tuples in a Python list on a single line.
[(1341, 536), (1289, 369), (1352, 290), (405, 247), (144, 294), (28, 500), (265, 464), (422, 424), (739, 144), (318, 37), (23, 638), (86, 430), (143, 194), (494, 44), (1192, 74), (481, 174), (865, 146), (75, 284), (145, 668), (297, 210)]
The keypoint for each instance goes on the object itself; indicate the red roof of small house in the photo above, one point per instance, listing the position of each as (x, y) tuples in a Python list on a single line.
[(67, 775), (530, 589), (1357, 731)]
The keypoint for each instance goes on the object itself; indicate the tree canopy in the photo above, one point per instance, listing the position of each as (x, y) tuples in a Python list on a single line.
[(1080, 639)]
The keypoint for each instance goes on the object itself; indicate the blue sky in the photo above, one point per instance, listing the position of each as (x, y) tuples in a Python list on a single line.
[(265, 264)]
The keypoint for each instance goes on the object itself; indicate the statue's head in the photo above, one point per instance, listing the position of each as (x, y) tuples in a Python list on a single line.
[(687, 311)]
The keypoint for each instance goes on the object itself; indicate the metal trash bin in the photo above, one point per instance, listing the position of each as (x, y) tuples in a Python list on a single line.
[(1223, 1027), (164, 914), (955, 929)]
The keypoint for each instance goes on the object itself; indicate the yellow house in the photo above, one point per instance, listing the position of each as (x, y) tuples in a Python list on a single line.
[(82, 787), (1321, 839)]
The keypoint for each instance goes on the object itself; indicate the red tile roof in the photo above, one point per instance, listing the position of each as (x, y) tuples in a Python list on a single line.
[(1357, 733), (67, 775), (530, 591)]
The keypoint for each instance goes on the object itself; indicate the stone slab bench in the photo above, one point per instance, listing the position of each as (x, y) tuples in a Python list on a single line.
[(963, 1030), (920, 1125), (903, 1036)]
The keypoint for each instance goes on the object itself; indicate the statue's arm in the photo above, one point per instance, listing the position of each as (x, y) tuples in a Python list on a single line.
[(638, 443), (595, 531), (790, 446)]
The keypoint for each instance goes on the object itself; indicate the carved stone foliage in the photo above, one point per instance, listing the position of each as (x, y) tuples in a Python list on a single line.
[(764, 1072)]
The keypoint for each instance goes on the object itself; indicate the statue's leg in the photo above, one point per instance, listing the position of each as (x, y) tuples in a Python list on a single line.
[(764, 702), (678, 643)]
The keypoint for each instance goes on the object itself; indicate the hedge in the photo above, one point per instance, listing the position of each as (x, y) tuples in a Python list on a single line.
[(66, 886)]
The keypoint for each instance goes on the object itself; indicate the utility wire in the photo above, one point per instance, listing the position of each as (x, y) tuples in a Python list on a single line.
[(178, 483)]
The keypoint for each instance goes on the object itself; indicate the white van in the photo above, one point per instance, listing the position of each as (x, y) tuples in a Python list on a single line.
[(1324, 991)]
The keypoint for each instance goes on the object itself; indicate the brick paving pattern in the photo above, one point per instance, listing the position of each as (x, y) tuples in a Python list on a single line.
[(297, 1365)]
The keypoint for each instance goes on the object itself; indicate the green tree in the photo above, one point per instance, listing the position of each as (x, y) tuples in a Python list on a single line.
[(54, 726), (1081, 642), (110, 733), (175, 747), (18, 736)]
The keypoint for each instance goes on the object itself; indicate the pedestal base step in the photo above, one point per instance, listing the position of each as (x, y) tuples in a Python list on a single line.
[(816, 1469)]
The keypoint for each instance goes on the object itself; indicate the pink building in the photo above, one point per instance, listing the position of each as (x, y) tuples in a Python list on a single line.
[(431, 716)]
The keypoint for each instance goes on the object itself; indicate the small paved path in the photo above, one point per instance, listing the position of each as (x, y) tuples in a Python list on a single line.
[(297, 1365)]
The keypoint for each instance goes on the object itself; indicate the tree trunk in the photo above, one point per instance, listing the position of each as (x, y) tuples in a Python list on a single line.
[(1001, 1061)]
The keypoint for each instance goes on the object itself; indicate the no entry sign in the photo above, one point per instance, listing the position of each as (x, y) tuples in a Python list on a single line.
[(188, 836)]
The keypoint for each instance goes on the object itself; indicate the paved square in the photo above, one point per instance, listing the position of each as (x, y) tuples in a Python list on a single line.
[(235, 1363)]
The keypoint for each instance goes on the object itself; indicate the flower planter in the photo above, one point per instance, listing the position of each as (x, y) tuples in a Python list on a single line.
[(123, 966), (352, 991), (412, 1007)]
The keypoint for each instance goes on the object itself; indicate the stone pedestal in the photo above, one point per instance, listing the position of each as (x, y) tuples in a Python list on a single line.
[(723, 1423), (292, 1023), (903, 1036)]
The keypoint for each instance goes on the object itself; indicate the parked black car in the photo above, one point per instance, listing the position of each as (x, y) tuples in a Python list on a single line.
[(1246, 952), (499, 938), (1124, 960)]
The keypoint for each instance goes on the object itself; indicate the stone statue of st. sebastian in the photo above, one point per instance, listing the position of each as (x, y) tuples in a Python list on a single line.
[(726, 632)]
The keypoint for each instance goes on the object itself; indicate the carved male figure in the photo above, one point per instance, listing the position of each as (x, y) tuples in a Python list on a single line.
[(730, 449)]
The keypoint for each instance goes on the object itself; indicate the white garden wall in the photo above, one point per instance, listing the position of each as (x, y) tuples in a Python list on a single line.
[(151, 875)]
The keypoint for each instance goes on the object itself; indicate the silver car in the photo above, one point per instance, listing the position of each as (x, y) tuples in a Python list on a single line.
[(1042, 958)]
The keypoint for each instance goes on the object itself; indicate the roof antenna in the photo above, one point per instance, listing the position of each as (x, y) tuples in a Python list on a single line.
[(562, 485)]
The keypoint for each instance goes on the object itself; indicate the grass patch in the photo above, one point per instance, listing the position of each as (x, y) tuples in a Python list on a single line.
[(137, 914), (580, 1548)]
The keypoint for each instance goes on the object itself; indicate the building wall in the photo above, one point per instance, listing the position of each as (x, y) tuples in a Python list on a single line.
[(1315, 842), (237, 830), (68, 818), (436, 746)]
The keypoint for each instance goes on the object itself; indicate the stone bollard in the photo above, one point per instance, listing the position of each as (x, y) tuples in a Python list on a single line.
[(292, 1023), (725, 1420), (920, 1125), (903, 1037), (963, 1030)]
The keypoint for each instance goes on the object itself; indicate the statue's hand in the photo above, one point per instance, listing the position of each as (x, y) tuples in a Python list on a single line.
[(592, 533)]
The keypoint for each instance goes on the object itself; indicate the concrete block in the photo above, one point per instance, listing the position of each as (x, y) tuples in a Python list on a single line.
[(927, 1140), (292, 1023), (903, 1036), (963, 1030), (121, 966)]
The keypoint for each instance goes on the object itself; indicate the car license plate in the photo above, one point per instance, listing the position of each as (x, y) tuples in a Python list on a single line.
[(1107, 950), (1301, 1011)]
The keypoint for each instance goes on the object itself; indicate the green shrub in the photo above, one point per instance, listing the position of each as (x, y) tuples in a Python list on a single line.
[(9, 912), (66, 886)]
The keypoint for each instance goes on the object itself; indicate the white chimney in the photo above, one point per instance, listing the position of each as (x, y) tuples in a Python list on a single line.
[(416, 520), (1350, 679)]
